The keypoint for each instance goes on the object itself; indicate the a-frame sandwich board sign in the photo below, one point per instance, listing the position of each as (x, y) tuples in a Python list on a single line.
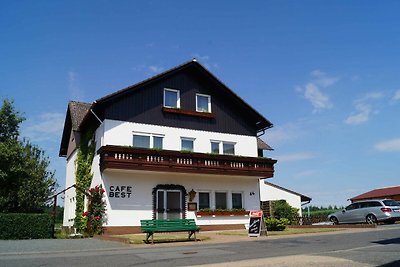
[(256, 223)]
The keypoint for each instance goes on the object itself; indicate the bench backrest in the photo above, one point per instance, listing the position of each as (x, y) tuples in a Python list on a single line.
[(168, 224)]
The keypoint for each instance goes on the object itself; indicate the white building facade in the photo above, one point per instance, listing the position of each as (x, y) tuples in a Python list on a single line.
[(179, 145), (272, 192)]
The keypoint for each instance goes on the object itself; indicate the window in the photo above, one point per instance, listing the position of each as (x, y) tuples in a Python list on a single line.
[(171, 98), (237, 201), (157, 142), (228, 148), (204, 200), (390, 203), (353, 206), (147, 141), (203, 103), (225, 147), (215, 147), (141, 141), (187, 144), (220, 200)]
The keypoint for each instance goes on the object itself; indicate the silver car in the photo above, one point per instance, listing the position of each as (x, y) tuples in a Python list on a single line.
[(368, 211)]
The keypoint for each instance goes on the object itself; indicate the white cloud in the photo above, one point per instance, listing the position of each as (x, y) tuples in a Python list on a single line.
[(392, 145), (295, 156), (396, 96), (45, 127), (74, 89), (322, 79), (364, 107), (312, 90), (205, 60), (316, 97), (284, 133), (155, 69), (362, 115)]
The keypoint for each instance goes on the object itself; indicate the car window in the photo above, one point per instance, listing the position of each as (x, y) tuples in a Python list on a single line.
[(364, 205), (390, 202), (352, 206), (375, 204)]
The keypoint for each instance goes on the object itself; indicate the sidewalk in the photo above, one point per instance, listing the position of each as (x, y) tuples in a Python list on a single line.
[(215, 237)]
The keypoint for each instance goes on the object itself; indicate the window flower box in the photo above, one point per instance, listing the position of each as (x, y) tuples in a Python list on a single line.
[(214, 213)]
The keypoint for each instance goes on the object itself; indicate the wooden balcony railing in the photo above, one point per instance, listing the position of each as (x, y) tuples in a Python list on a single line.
[(128, 158)]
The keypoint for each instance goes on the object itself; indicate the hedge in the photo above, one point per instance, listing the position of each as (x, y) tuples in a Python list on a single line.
[(25, 226)]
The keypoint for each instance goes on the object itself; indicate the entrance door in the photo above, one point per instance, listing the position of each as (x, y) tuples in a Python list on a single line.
[(169, 204)]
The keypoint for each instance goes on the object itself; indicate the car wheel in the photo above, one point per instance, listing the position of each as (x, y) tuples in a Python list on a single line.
[(371, 219), (334, 220)]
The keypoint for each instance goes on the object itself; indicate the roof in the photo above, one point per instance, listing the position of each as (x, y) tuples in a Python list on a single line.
[(303, 198), (262, 145), (262, 122), (385, 192), (76, 112)]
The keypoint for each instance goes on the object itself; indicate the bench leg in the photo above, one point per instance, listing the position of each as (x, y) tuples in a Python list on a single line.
[(147, 237), (192, 233)]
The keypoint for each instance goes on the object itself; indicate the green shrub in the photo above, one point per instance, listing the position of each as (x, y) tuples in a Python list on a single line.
[(25, 226), (276, 224), (281, 209)]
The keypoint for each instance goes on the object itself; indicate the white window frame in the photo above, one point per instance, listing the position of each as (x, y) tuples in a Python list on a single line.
[(151, 136), (208, 106), (187, 139), (178, 100), (221, 146), (209, 198), (237, 192), (230, 143), (226, 199)]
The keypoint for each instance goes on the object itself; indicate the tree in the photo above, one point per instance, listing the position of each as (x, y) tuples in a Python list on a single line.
[(25, 181), (9, 122)]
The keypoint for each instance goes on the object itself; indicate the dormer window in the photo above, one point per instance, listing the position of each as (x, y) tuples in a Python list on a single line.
[(203, 103), (172, 98)]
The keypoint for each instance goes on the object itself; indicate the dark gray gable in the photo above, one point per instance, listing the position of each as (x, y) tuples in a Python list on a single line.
[(143, 103)]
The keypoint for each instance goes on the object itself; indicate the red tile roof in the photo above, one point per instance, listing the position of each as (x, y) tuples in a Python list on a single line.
[(386, 192)]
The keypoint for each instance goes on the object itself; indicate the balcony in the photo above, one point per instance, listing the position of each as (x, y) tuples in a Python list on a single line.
[(128, 158)]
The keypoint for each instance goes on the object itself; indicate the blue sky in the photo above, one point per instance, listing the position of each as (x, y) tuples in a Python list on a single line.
[(325, 73)]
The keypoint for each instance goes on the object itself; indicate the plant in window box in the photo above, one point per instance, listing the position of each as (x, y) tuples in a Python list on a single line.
[(186, 151), (222, 212)]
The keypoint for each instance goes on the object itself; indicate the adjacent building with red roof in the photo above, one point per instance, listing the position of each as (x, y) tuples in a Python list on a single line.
[(392, 192)]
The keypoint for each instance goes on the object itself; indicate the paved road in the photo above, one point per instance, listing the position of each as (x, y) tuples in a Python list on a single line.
[(375, 247)]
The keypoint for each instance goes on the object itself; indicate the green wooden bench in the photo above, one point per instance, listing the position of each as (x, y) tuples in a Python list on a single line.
[(163, 226)]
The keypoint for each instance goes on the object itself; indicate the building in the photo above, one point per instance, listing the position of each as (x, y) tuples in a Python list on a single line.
[(392, 192), (169, 146), (270, 192)]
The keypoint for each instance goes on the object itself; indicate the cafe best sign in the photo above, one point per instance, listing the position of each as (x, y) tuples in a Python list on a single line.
[(120, 191)]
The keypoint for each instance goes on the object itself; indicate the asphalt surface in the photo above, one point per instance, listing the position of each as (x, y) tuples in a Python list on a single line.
[(372, 247)]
